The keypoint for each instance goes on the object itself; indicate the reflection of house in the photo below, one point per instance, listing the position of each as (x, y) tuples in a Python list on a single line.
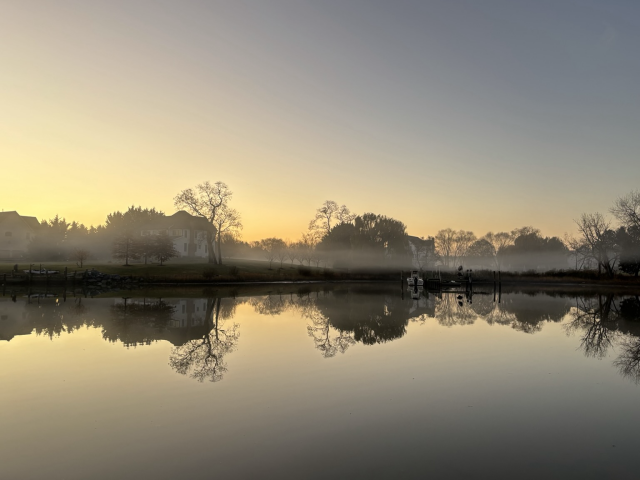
[(188, 233), (16, 233), (183, 313), (188, 313)]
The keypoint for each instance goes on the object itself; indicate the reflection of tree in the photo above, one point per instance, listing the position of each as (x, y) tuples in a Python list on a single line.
[(321, 332), (499, 316), (137, 323), (630, 308), (628, 362), (269, 304), (451, 310), (51, 320), (373, 318), (595, 318), (204, 357)]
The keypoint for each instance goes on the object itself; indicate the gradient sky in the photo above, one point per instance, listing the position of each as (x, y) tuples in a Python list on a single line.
[(477, 115)]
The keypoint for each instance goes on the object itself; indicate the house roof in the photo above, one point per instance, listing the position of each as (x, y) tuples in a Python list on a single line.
[(31, 222), (179, 220)]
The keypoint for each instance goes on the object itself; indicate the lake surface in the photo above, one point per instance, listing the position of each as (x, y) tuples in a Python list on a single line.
[(319, 382)]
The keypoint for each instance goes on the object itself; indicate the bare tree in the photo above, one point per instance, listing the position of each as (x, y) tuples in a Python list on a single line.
[(227, 221), (309, 242), (445, 244), (292, 251), (627, 209), (452, 244), (80, 255), (206, 201), (271, 248), (599, 239), (282, 251), (580, 251), (463, 240), (499, 241), (328, 215)]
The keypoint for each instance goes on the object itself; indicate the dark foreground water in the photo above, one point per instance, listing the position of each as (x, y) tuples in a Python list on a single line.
[(353, 382)]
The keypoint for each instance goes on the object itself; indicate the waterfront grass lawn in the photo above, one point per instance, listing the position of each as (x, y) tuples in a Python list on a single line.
[(232, 269)]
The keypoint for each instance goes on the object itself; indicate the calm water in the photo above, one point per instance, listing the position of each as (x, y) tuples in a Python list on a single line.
[(353, 382)]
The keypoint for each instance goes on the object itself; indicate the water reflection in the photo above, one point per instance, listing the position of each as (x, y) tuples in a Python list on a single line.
[(202, 331), (606, 322), (203, 357)]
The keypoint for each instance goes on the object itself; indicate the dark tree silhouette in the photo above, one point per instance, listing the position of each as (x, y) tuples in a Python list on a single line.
[(124, 248), (162, 248)]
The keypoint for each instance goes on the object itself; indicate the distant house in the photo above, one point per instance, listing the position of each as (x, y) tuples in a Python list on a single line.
[(16, 232), (188, 232), (422, 251)]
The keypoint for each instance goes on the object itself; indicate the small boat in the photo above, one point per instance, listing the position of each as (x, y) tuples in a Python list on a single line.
[(42, 272), (414, 279)]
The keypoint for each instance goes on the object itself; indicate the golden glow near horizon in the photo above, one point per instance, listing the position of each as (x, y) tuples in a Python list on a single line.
[(106, 105)]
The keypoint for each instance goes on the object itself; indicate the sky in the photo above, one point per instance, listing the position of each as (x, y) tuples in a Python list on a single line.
[(470, 115)]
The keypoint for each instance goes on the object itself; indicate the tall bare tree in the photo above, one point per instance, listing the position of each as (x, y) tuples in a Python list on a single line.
[(207, 201), (445, 244), (464, 240), (599, 239), (328, 215), (452, 245), (626, 209)]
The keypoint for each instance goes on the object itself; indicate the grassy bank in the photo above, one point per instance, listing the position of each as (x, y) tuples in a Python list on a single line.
[(234, 271), (243, 271)]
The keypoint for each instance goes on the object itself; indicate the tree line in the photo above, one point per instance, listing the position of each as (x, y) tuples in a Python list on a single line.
[(336, 237)]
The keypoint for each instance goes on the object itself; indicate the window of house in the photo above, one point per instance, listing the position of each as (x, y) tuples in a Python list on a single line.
[(185, 247), (183, 308)]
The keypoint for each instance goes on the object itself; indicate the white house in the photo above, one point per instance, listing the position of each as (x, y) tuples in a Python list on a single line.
[(16, 232), (188, 232)]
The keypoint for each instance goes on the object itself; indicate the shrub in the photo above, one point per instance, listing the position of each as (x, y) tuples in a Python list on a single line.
[(304, 271)]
